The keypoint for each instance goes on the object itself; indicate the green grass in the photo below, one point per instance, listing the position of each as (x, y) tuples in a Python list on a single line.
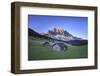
[(36, 51)]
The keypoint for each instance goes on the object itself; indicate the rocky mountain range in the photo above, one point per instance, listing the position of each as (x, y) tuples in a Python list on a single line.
[(65, 37), (61, 34)]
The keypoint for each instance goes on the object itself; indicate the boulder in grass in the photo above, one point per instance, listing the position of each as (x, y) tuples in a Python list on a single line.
[(59, 47)]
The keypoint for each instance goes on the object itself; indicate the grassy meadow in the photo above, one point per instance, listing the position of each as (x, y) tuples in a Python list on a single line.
[(36, 50)]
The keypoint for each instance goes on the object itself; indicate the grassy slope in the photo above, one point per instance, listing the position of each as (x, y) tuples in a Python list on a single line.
[(38, 52)]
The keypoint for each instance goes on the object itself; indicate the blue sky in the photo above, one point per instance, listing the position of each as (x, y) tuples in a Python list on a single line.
[(77, 26)]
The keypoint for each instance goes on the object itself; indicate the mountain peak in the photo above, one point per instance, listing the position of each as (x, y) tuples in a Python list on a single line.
[(61, 34), (56, 31)]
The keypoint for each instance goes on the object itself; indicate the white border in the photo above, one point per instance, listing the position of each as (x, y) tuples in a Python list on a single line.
[(25, 64)]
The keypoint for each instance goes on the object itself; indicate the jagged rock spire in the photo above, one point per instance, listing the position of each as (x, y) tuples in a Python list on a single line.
[(56, 30)]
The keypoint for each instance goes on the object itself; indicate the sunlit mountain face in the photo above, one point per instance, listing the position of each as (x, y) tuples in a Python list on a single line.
[(60, 34)]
